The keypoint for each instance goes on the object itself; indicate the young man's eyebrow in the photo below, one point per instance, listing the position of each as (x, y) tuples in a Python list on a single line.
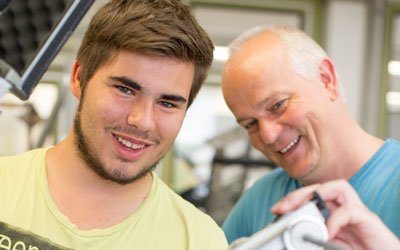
[(175, 98), (126, 81), (134, 85)]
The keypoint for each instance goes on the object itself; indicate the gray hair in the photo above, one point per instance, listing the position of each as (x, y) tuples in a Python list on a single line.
[(304, 54)]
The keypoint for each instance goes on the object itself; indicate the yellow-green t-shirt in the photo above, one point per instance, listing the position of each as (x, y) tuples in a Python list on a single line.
[(29, 218)]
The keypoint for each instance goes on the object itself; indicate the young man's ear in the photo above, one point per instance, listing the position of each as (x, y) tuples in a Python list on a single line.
[(74, 81), (328, 78)]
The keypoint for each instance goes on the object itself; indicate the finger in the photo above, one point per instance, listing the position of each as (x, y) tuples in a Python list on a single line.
[(339, 192), (294, 199), (338, 219), (359, 219)]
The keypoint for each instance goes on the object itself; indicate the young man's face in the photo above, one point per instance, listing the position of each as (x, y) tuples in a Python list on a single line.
[(130, 113), (285, 115)]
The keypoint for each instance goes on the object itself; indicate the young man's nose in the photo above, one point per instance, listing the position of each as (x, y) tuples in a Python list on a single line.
[(141, 116)]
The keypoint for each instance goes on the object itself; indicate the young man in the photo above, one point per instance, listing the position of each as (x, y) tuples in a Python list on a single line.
[(282, 88), (140, 65)]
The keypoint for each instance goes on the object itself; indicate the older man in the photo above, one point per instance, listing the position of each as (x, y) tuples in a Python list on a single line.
[(283, 89)]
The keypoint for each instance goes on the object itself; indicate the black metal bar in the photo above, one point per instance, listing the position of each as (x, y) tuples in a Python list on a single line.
[(243, 161)]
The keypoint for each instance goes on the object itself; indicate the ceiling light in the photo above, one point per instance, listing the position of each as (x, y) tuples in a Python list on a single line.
[(394, 68), (221, 53), (393, 101)]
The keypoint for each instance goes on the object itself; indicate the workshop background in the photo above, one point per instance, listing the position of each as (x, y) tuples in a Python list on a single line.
[(212, 163)]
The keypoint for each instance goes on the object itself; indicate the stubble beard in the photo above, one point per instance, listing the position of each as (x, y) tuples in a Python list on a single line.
[(93, 160)]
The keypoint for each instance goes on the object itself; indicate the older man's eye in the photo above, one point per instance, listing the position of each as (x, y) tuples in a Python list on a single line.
[(250, 124), (279, 104)]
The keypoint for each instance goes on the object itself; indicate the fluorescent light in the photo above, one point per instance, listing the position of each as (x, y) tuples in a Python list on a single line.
[(221, 53), (393, 101), (394, 68)]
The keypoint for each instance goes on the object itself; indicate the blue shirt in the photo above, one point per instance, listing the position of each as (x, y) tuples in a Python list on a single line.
[(377, 183)]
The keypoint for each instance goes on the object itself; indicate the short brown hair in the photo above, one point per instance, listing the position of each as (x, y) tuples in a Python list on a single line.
[(164, 28)]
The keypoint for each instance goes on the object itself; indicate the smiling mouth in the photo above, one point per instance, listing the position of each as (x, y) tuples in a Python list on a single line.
[(129, 144), (289, 146)]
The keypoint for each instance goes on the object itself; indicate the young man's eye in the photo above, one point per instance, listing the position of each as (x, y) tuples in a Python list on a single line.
[(167, 104), (124, 90)]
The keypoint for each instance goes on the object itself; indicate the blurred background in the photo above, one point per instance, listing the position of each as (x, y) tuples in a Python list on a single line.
[(212, 162)]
